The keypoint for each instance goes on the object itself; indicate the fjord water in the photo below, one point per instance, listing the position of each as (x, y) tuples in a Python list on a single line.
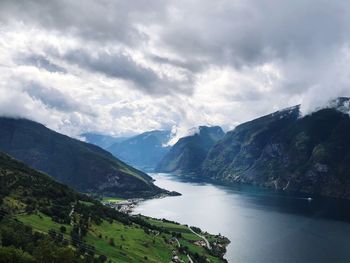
[(263, 226)]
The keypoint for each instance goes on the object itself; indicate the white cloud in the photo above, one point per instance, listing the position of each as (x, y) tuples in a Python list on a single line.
[(127, 67)]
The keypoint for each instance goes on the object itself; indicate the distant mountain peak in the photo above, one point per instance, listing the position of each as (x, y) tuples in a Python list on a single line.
[(143, 150), (341, 104), (187, 154), (178, 132)]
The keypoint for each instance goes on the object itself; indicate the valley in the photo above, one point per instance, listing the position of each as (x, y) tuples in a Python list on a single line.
[(300, 159), (155, 131)]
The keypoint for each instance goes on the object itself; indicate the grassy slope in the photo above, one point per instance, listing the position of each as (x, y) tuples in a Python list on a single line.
[(112, 199), (132, 244), (135, 237), (41, 222)]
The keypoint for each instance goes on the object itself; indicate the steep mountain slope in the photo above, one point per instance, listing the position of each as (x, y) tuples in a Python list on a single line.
[(188, 153), (83, 166), (308, 154), (42, 220), (143, 151)]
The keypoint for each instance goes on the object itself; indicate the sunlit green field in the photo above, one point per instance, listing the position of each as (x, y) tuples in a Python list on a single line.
[(112, 199), (42, 223), (121, 243)]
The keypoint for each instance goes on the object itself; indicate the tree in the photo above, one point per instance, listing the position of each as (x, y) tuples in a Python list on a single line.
[(11, 254), (63, 229), (102, 258), (48, 252), (52, 233)]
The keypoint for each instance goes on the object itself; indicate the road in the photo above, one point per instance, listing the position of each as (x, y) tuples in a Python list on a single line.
[(202, 237), (189, 259), (71, 214), (178, 243), (188, 256)]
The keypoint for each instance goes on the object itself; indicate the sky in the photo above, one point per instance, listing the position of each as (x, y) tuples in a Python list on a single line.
[(124, 67)]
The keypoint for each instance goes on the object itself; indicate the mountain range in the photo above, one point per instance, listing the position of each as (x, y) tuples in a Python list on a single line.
[(288, 151), (101, 140), (284, 150), (143, 151), (83, 166)]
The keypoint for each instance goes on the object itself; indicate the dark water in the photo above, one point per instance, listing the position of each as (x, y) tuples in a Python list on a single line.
[(263, 226)]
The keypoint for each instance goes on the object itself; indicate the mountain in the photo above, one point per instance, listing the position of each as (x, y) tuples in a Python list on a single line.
[(288, 151), (103, 141), (42, 220), (83, 166), (143, 151), (187, 155)]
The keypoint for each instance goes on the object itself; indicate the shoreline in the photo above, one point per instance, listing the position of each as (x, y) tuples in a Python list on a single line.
[(127, 205), (217, 249)]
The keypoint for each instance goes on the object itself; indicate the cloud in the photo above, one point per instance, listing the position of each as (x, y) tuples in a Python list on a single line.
[(123, 67), (53, 98), (40, 62), (94, 20), (253, 32)]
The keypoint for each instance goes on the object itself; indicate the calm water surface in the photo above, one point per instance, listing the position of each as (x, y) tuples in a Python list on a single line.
[(263, 226)]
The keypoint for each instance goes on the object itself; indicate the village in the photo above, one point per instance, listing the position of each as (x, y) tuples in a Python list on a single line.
[(123, 206)]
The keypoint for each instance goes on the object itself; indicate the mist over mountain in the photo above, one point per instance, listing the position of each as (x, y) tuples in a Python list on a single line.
[(188, 153)]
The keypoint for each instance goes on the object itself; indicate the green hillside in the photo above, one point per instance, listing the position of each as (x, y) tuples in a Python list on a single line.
[(45, 221), (80, 165)]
